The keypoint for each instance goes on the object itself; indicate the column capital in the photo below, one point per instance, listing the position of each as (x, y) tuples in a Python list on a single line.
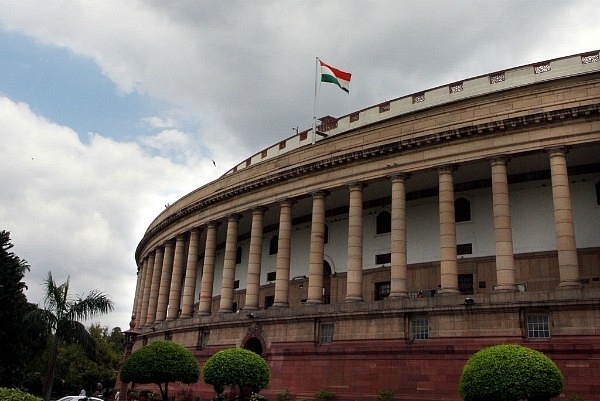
[(234, 216), (259, 209), (320, 193), (399, 176), (357, 185), (286, 202), (557, 150), (213, 223), (448, 168), (499, 159)]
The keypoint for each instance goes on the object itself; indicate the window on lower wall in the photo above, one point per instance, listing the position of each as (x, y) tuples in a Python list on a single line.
[(382, 290), (168, 336), (538, 326), (203, 335), (419, 328), (383, 258), (269, 301), (465, 284), (326, 333)]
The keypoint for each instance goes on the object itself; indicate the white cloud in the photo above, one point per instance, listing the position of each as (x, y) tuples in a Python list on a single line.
[(79, 209)]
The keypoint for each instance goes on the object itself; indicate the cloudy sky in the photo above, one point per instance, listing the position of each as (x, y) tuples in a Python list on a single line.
[(111, 109)]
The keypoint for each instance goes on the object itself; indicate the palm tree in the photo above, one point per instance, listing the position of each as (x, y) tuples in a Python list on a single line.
[(60, 317)]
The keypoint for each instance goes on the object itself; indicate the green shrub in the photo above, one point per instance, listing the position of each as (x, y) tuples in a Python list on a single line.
[(236, 367), (13, 394), (510, 373), (283, 395), (324, 396), (575, 397), (385, 395)]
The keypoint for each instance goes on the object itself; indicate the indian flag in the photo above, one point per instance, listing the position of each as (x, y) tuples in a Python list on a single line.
[(333, 75)]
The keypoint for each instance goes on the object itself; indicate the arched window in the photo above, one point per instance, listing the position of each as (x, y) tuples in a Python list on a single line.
[(462, 210), (326, 235), (238, 255), (274, 245), (384, 223)]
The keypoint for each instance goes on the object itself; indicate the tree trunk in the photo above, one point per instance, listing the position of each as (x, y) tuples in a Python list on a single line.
[(51, 372)]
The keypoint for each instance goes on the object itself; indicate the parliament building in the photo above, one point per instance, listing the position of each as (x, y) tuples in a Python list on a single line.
[(384, 248)]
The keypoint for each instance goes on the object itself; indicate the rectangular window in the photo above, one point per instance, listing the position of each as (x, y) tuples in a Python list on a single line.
[(464, 249), (271, 276), (465, 284), (326, 335), (383, 258), (538, 326), (269, 301), (419, 328), (382, 290), (168, 336), (236, 284), (203, 335)]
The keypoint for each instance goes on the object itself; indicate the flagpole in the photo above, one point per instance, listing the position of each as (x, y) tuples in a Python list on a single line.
[(314, 127)]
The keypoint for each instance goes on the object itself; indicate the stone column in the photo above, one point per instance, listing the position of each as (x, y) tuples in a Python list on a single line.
[(177, 278), (448, 263), (317, 249), (398, 271), (355, 244), (208, 270), (568, 264), (254, 259), (144, 274), (505, 261), (189, 287), (226, 305), (139, 290), (143, 308), (154, 287), (284, 247), (165, 282)]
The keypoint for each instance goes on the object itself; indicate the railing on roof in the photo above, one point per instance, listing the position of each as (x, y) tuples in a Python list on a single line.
[(489, 83)]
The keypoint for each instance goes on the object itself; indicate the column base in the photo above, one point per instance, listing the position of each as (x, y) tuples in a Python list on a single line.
[(565, 285), (185, 316), (225, 311), (506, 288), (280, 305), (249, 307), (314, 301), (353, 299), (398, 295), (448, 291), (203, 314)]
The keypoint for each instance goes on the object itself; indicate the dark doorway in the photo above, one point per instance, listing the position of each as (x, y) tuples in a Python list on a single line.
[(253, 344)]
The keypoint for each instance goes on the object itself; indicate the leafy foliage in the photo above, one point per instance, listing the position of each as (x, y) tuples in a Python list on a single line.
[(510, 373), (60, 318), (12, 394), (324, 396), (161, 362), (236, 367), (19, 344)]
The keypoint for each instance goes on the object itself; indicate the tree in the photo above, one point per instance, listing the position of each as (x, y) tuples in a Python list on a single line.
[(161, 362), (18, 343), (510, 373), (236, 367), (60, 318)]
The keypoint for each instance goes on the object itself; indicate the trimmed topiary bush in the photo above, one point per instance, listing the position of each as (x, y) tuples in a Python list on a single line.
[(13, 394), (161, 362), (236, 367), (510, 373)]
